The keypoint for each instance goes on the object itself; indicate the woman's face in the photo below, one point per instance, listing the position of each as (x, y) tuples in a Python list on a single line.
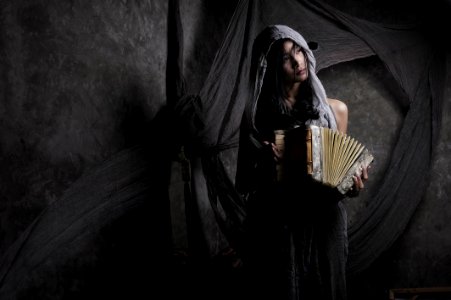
[(294, 63)]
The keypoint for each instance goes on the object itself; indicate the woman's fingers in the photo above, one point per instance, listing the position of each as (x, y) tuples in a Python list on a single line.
[(275, 150), (364, 175), (359, 179), (358, 182)]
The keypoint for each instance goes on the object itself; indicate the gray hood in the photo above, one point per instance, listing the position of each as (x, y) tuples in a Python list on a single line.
[(260, 50)]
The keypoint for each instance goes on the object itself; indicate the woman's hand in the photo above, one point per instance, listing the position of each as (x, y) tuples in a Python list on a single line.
[(359, 181), (277, 153)]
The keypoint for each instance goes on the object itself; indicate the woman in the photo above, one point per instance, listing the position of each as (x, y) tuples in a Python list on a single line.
[(296, 241)]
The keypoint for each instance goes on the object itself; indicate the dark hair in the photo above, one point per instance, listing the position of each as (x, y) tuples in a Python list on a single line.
[(273, 92)]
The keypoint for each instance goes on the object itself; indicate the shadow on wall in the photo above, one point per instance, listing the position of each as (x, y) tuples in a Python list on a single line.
[(66, 72), (84, 177), (109, 234)]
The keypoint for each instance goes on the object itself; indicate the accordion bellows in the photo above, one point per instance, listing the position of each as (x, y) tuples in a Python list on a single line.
[(327, 155)]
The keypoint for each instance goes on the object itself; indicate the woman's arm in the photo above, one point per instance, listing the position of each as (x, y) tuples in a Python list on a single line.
[(340, 111)]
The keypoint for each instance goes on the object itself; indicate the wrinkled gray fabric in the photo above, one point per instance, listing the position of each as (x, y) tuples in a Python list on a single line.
[(414, 64), (212, 123), (120, 203), (261, 48)]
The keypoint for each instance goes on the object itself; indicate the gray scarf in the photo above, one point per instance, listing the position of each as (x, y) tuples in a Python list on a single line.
[(262, 46)]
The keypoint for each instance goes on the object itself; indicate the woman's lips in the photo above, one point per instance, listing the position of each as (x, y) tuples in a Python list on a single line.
[(300, 72)]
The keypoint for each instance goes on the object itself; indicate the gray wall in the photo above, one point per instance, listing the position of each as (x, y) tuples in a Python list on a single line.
[(81, 80), (421, 257), (78, 82)]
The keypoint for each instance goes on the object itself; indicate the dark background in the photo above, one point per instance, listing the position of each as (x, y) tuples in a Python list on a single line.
[(82, 81)]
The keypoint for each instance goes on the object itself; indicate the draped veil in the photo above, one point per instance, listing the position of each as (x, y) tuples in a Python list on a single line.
[(413, 62), (211, 122)]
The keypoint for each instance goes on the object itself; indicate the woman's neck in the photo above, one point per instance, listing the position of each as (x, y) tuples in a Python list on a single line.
[(290, 102), (291, 94)]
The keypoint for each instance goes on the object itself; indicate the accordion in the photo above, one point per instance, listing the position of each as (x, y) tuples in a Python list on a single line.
[(326, 155)]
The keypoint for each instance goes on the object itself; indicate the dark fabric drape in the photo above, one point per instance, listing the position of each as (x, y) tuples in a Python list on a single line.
[(415, 65), (110, 232), (419, 70), (175, 82), (134, 182), (107, 234)]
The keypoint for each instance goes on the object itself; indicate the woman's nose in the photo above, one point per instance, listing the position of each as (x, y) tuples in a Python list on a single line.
[(299, 62)]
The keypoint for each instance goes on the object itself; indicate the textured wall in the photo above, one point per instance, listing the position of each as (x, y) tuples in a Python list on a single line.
[(375, 115), (79, 79), (420, 258)]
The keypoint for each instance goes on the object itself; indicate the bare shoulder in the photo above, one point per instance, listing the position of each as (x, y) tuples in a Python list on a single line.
[(340, 110), (338, 106)]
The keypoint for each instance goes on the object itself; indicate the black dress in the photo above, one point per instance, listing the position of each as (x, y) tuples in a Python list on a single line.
[(296, 241)]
